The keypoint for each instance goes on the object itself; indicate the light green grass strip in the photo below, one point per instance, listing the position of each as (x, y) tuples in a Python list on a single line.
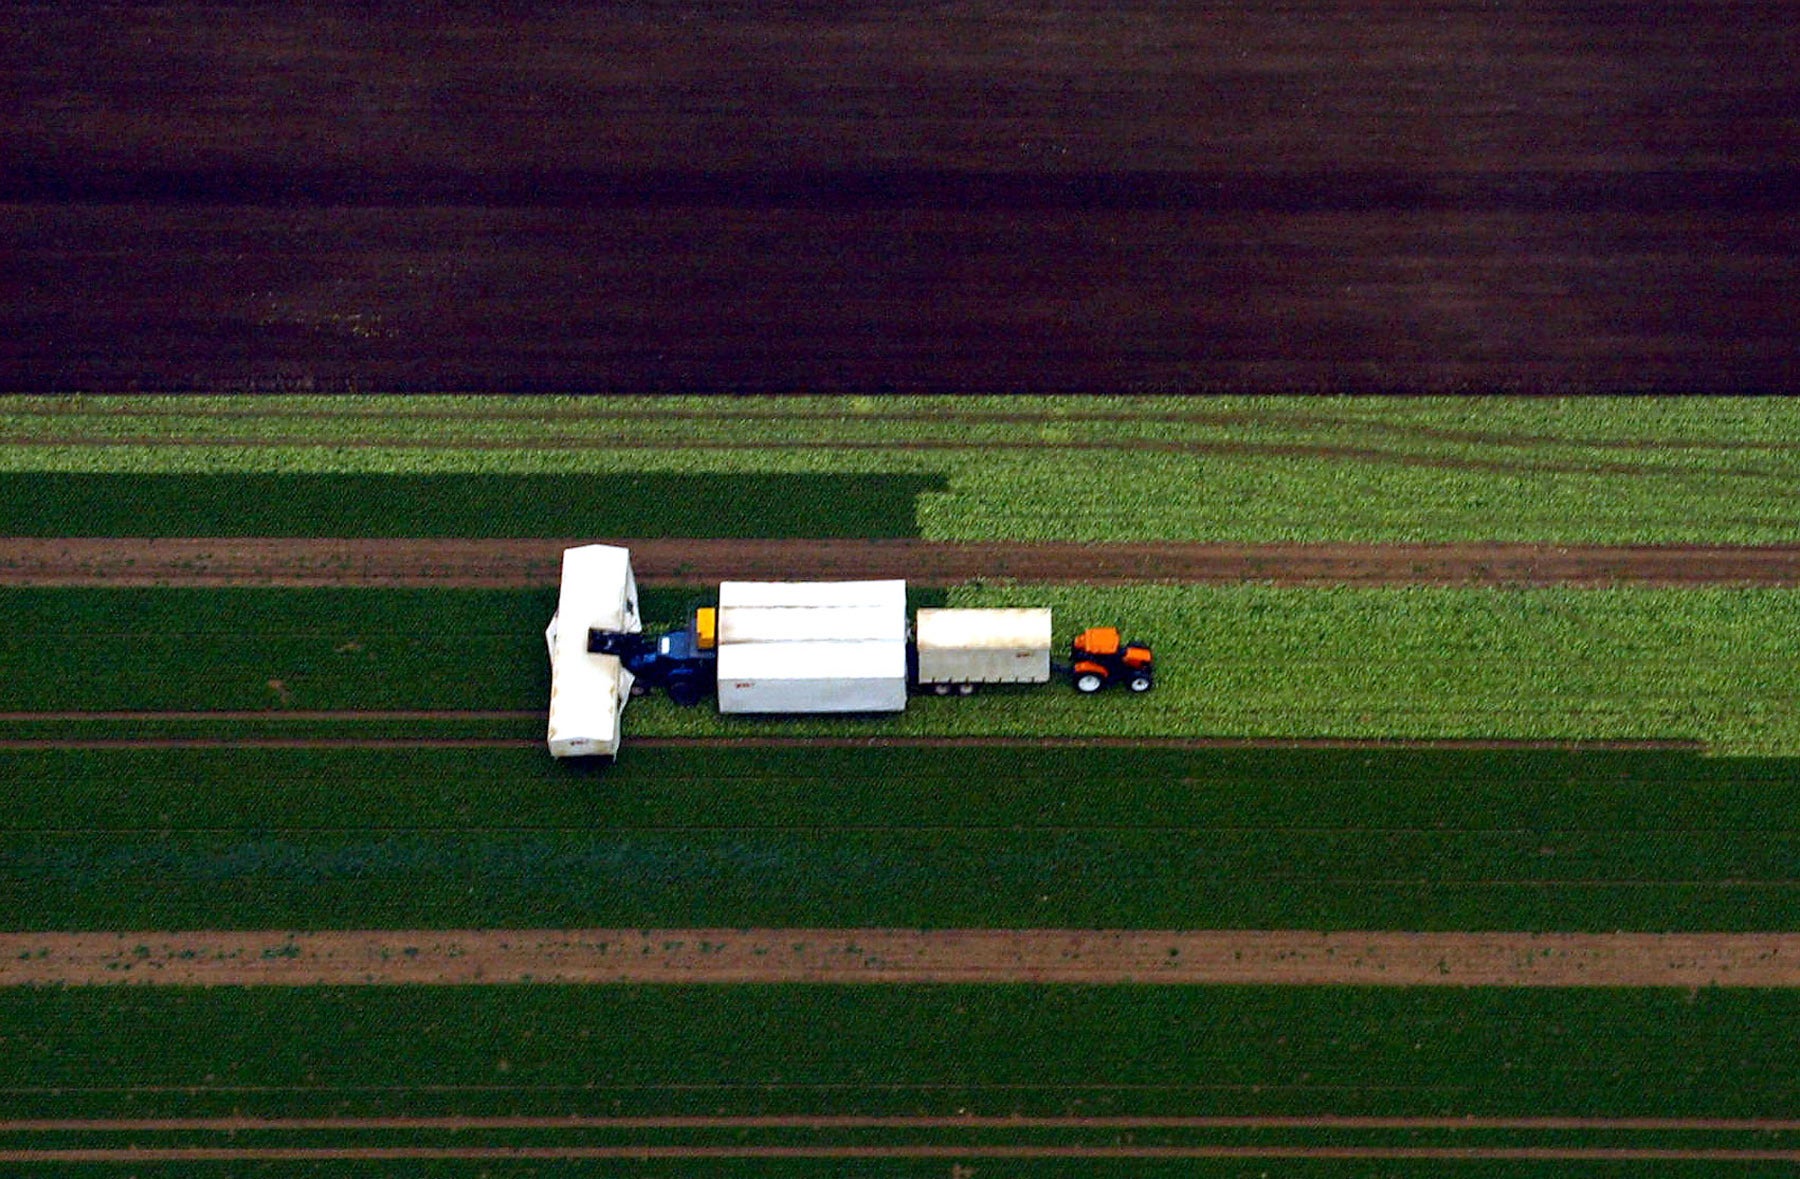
[(1581, 470), (1716, 666)]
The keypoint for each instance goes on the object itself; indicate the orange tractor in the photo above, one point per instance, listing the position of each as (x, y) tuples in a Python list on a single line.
[(1101, 657)]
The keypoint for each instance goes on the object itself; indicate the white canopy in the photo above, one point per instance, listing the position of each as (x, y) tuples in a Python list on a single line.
[(588, 692), (812, 646)]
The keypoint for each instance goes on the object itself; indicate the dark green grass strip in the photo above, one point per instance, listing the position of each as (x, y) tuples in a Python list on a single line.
[(992, 1050), (46, 503), (1326, 839), (936, 879), (146, 649)]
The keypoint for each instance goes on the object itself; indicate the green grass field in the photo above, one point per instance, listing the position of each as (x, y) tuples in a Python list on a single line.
[(1375, 838), (1605, 470), (917, 1050), (1716, 667), (1308, 839)]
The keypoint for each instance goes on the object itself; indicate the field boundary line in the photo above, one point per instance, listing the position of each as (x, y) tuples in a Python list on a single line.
[(822, 742), (899, 956)]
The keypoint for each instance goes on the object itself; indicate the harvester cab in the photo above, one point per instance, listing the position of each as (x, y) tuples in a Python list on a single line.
[(684, 663), (1101, 657)]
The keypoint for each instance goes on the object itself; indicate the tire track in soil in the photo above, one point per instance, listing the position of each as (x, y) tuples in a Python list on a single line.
[(136, 1154), (898, 956), (530, 563)]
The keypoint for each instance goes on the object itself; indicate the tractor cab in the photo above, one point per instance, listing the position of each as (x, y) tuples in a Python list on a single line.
[(684, 662), (1100, 657)]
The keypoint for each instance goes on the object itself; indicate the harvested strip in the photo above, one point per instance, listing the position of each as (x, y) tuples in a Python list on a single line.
[(686, 956), (508, 563)]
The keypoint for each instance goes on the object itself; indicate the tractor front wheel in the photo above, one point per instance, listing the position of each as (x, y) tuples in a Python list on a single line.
[(685, 691), (1140, 682)]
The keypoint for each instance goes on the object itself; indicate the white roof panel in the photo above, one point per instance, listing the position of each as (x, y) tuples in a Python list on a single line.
[(598, 589), (970, 630), (888, 594), (848, 660), (787, 624)]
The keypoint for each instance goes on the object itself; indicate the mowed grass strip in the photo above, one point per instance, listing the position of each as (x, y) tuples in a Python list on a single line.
[(368, 504), (1574, 470), (990, 1051), (1105, 838), (1717, 667)]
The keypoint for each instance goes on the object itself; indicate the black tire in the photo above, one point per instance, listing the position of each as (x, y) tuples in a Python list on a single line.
[(1089, 682), (965, 689), (940, 689), (685, 691), (1141, 682)]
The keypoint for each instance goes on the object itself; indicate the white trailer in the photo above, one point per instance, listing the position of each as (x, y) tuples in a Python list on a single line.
[(815, 646), (958, 649), (588, 692)]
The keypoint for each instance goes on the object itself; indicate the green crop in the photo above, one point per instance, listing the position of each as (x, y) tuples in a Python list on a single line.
[(239, 503), (1718, 667), (1580, 470), (1339, 839), (879, 1049)]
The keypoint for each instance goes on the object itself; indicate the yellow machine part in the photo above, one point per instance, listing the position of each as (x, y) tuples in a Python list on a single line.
[(706, 628)]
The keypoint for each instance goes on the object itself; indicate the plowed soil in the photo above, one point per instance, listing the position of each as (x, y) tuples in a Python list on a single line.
[(858, 197), (537, 562), (396, 957)]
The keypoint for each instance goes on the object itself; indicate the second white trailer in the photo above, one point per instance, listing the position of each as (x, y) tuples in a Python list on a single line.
[(959, 648)]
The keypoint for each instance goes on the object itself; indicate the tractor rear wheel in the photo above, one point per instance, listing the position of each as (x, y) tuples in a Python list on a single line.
[(1090, 682), (685, 690)]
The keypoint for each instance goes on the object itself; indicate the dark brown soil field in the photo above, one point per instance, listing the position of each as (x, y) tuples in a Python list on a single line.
[(538, 562), (1092, 956), (863, 197)]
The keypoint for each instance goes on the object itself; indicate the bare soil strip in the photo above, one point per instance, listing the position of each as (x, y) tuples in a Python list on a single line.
[(510, 563), (136, 1154), (840, 956)]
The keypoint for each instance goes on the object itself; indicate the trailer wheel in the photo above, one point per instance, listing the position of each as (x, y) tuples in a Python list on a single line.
[(1140, 682), (965, 689), (1089, 681), (941, 689)]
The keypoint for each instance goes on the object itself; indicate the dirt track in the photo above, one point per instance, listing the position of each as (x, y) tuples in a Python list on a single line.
[(145, 1155), (536, 562), (446, 957)]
